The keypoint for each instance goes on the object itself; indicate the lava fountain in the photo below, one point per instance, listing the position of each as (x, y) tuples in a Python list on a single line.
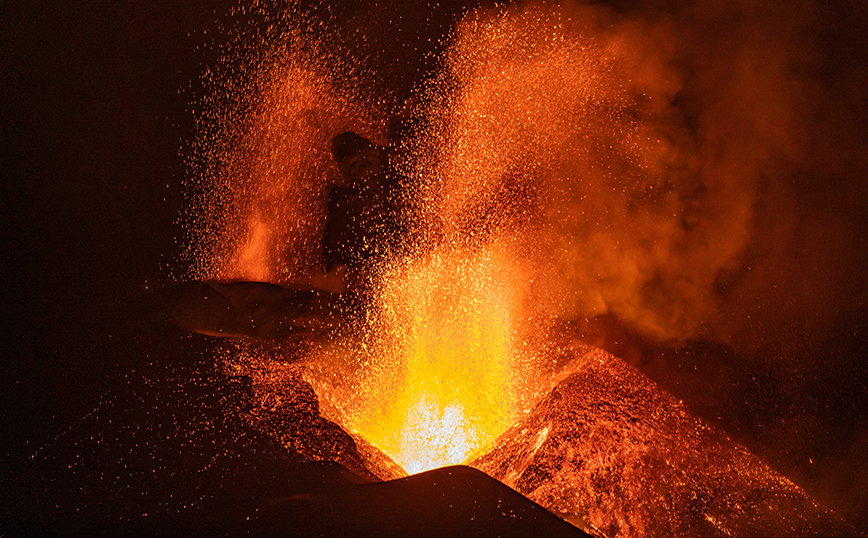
[(442, 386), (547, 184), (552, 177), (534, 114)]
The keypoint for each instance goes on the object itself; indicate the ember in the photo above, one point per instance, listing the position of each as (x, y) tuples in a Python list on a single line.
[(609, 256)]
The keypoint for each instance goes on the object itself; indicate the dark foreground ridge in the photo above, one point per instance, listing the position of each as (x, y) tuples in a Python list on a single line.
[(451, 501), (175, 446)]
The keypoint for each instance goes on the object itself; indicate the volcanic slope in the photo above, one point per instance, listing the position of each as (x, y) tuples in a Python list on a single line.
[(176, 446), (615, 455)]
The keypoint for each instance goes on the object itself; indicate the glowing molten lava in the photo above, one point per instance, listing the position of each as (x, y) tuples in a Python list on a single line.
[(441, 385)]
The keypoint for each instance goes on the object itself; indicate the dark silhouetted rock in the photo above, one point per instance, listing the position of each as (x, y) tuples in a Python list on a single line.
[(259, 311), (451, 501)]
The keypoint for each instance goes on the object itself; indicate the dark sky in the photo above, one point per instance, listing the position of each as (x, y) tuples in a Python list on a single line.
[(94, 116), (94, 123)]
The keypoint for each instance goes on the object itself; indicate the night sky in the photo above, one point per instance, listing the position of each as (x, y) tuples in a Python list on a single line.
[(93, 125), (97, 112)]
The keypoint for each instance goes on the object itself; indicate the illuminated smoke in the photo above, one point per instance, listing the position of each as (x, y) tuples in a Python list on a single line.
[(645, 166), (542, 132), (559, 127)]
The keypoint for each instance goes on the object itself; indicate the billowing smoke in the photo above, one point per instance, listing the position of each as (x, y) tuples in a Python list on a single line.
[(692, 170), (695, 169)]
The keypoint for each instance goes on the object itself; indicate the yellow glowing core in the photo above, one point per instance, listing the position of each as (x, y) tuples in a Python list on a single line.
[(440, 386)]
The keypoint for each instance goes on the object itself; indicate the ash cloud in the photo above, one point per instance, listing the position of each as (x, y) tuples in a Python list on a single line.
[(769, 101), (697, 170)]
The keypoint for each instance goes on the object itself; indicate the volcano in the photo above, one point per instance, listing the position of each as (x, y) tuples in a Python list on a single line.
[(633, 302), (188, 445)]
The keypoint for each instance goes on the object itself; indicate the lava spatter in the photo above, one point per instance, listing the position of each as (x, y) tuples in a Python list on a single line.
[(611, 452), (261, 162)]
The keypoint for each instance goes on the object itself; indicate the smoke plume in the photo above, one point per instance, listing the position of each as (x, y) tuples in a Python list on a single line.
[(691, 169)]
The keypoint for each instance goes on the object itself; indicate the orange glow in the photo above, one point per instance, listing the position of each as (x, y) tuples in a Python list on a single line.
[(565, 161), (441, 387), (265, 167), (539, 132), (253, 261)]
